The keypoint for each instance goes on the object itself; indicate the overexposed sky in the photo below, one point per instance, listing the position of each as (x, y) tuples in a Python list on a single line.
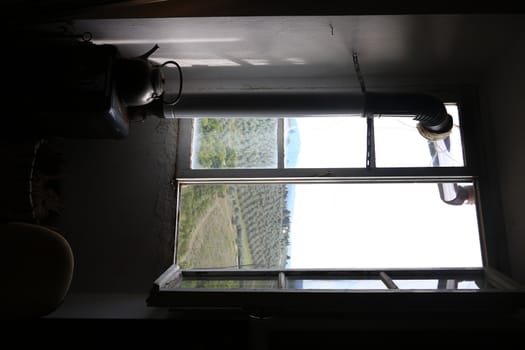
[(404, 225)]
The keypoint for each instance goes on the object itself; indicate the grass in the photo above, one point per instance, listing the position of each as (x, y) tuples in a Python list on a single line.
[(212, 244)]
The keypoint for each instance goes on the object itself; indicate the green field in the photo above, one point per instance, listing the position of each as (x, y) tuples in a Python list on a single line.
[(242, 227), (234, 225)]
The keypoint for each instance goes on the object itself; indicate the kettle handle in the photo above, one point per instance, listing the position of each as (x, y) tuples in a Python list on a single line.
[(179, 95)]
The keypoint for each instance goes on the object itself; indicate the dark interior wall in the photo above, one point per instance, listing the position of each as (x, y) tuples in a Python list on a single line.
[(191, 8), (502, 100), (118, 208)]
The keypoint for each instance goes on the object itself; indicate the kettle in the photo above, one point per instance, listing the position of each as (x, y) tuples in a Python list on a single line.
[(137, 80)]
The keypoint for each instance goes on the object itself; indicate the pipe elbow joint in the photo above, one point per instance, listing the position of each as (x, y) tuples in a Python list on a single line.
[(427, 109), (432, 114)]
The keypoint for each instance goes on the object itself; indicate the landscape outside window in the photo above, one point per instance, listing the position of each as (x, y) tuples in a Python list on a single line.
[(234, 143), (317, 225)]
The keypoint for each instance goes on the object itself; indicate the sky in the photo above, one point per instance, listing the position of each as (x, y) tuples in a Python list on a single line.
[(403, 225)]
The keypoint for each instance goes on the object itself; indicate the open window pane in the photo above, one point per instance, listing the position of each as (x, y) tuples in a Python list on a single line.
[(399, 144), (234, 143), (468, 285), (325, 142), (335, 284), (416, 283), (315, 225), (233, 226)]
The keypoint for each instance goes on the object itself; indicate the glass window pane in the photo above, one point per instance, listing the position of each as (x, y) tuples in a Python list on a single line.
[(233, 226), (226, 283), (417, 284), (467, 285), (335, 284), (269, 225), (234, 143), (399, 144), (325, 142)]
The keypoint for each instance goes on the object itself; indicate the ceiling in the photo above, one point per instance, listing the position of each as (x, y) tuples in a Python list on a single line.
[(271, 50)]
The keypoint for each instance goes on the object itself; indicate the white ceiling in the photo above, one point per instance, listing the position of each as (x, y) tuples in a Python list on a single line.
[(446, 48)]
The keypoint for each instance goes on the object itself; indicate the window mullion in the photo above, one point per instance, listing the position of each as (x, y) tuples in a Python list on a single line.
[(184, 145), (370, 143), (281, 281), (280, 143)]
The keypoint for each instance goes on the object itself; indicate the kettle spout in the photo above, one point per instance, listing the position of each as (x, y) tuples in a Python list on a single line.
[(150, 52)]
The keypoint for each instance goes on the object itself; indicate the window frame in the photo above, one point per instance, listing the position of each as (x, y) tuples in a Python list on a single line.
[(503, 294), (493, 259), (366, 174)]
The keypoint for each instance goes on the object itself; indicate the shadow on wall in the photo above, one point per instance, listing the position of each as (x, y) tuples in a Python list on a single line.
[(119, 208)]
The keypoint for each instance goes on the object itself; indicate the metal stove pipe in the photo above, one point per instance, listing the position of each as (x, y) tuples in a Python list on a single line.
[(427, 109)]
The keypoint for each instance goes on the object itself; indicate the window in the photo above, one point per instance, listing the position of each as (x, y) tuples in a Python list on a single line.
[(324, 225), (325, 204), (259, 193)]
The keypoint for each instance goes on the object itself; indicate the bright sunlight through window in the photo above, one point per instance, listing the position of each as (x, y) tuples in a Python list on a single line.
[(271, 222)]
